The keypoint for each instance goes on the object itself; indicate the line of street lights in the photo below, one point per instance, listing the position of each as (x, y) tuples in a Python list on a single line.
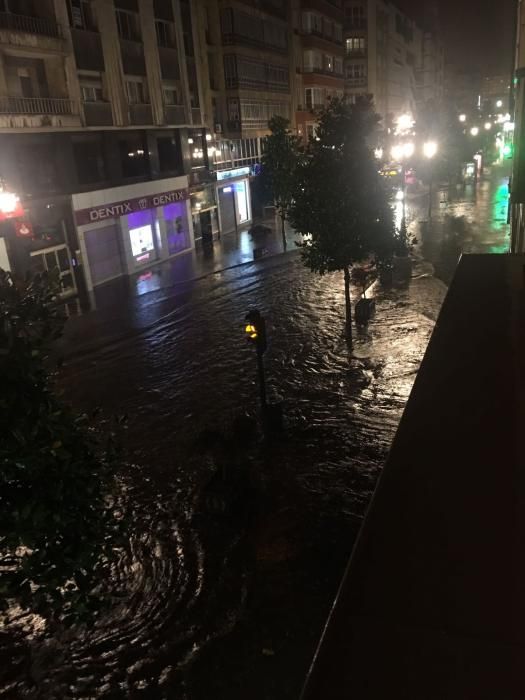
[(401, 152)]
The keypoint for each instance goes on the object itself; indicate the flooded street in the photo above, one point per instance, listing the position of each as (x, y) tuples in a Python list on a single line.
[(232, 606)]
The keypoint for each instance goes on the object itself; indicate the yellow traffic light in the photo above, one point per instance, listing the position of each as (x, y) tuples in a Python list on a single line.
[(251, 331)]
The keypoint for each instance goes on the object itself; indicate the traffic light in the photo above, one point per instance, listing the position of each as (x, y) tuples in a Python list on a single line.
[(256, 330)]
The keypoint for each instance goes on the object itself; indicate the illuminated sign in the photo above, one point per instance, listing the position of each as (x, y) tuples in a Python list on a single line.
[(116, 209), (229, 174)]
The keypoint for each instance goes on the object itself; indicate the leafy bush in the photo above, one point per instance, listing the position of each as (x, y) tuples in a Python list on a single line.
[(59, 522)]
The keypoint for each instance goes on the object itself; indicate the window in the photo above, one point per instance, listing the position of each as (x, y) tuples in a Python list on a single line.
[(355, 44), (133, 154), (89, 160), (165, 33), (314, 97), (91, 88), (312, 61), (338, 66), (82, 14), (327, 28), (311, 130), (338, 33), (136, 91), (169, 156), (171, 95), (356, 72), (328, 63), (128, 25), (356, 16)]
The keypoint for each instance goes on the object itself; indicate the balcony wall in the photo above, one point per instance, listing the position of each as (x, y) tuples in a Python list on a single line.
[(38, 112), (169, 63), (133, 61), (174, 114), (98, 114), (35, 33), (88, 50), (140, 114)]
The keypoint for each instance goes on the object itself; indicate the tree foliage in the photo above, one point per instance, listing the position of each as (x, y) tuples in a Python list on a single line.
[(58, 516), (341, 204), (281, 158)]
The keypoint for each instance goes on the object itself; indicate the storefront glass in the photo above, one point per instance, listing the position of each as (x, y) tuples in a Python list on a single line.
[(177, 229), (242, 201)]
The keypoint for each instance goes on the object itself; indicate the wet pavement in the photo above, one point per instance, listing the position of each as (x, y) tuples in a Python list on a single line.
[(232, 606)]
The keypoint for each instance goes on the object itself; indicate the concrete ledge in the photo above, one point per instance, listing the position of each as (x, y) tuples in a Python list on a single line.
[(433, 601)]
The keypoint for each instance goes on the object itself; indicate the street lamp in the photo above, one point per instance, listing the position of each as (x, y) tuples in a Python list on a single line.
[(488, 126), (462, 117), (499, 103), (430, 148), (474, 131), (400, 153)]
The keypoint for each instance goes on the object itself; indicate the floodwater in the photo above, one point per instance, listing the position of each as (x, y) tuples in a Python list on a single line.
[(231, 605)]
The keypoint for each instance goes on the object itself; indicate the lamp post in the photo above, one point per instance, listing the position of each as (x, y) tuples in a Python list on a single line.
[(401, 153), (430, 148)]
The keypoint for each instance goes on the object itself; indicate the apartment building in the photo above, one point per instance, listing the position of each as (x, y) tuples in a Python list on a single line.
[(104, 158), (246, 74), (391, 58), (318, 58), (517, 194)]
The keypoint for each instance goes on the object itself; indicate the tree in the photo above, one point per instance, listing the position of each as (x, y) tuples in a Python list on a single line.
[(59, 519), (341, 204), (280, 160)]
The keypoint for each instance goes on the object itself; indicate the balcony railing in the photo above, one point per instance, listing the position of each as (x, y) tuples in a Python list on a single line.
[(322, 71), (30, 25), (37, 105), (356, 82)]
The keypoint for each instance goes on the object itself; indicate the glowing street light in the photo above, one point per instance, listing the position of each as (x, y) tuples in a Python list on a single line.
[(430, 148), (499, 103), (404, 123), (462, 117), (474, 131), (488, 126)]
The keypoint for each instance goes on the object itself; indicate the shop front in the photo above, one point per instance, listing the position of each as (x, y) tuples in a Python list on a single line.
[(204, 213), (40, 237), (233, 196), (126, 229)]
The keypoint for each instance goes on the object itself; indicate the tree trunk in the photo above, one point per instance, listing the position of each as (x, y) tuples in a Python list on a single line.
[(283, 232), (348, 305)]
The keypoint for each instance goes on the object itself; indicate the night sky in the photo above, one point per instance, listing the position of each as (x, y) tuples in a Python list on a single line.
[(479, 34)]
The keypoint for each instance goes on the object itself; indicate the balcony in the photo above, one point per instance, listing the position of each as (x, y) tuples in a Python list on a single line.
[(361, 81), (98, 114), (30, 25), (88, 49), (196, 115), (133, 61), (356, 53), (37, 112), (169, 63), (174, 114), (353, 24), (140, 114), (36, 105), (322, 71)]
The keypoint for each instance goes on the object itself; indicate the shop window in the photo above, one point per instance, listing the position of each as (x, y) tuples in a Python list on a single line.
[(177, 230), (169, 154), (89, 160), (133, 155)]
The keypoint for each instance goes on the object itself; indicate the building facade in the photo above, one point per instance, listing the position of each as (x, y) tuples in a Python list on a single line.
[(391, 58), (318, 58), (517, 189), (100, 109)]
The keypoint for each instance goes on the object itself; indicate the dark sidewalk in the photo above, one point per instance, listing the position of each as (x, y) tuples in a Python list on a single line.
[(433, 603)]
